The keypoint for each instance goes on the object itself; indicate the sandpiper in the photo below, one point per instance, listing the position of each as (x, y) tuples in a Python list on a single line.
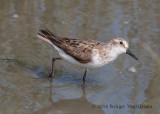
[(87, 53)]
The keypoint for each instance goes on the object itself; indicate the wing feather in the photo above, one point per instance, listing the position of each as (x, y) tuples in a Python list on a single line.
[(80, 50)]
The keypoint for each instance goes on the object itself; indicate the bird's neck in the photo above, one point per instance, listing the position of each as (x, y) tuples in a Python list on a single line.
[(114, 52)]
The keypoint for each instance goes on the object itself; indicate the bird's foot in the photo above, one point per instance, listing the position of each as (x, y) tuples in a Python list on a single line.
[(50, 77)]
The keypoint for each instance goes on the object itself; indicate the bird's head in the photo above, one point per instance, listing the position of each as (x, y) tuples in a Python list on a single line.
[(119, 46)]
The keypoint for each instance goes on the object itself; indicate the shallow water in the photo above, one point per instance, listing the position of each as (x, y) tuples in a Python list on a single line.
[(24, 86)]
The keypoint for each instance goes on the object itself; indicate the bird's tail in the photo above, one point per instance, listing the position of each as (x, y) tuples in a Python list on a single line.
[(47, 36)]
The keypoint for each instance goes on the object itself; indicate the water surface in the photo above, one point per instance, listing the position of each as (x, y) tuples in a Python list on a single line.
[(24, 86)]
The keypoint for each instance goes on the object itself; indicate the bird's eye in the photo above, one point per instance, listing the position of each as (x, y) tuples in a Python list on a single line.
[(121, 42)]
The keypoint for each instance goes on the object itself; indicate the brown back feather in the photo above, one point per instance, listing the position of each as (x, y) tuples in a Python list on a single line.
[(77, 48)]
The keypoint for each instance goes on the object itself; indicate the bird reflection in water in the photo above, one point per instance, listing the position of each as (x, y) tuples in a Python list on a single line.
[(71, 106)]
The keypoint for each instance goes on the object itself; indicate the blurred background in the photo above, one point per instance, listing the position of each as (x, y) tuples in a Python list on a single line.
[(25, 60)]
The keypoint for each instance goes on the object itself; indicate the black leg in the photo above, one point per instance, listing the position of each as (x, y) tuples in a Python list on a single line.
[(52, 73), (84, 76)]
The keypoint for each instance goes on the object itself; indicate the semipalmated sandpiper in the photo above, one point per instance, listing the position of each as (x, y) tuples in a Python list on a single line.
[(86, 53)]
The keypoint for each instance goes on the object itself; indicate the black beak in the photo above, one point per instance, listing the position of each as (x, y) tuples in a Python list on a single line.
[(131, 54)]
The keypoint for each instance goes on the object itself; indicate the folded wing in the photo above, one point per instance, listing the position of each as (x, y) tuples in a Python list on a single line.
[(80, 50)]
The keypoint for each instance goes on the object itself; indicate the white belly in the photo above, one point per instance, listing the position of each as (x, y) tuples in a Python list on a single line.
[(68, 58)]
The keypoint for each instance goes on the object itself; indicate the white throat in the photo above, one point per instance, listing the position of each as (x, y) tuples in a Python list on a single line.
[(115, 52)]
